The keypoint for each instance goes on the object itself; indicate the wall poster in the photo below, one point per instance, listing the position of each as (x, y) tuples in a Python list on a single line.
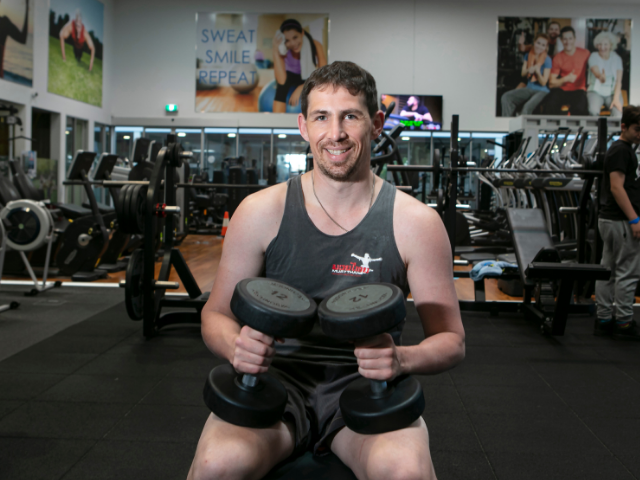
[(563, 66), (257, 62), (16, 41), (76, 40)]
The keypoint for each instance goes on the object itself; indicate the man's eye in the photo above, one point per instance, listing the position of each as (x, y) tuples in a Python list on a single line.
[(321, 117)]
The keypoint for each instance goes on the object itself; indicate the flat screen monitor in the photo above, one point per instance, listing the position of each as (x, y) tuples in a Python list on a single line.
[(416, 112), (83, 161)]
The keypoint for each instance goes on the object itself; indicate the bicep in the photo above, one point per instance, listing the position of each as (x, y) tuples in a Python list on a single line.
[(617, 179), (242, 257), (427, 253), (322, 59)]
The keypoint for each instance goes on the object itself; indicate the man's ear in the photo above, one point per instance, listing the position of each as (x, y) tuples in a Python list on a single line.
[(377, 124), (302, 126)]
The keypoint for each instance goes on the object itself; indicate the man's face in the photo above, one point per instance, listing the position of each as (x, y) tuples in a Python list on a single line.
[(554, 31), (569, 41), (339, 130), (412, 101), (632, 133)]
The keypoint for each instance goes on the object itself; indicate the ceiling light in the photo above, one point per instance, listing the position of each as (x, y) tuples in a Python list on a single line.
[(182, 134), (282, 135), (231, 135), (126, 137), (405, 138)]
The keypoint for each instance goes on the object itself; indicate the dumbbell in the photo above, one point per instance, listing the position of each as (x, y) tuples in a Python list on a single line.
[(275, 309), (372, 406)]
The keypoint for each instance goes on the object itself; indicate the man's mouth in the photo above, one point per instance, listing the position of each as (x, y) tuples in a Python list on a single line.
[(337, 152)]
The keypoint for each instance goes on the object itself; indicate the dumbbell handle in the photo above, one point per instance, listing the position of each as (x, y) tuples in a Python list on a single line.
[(249, 380), (378, 387)]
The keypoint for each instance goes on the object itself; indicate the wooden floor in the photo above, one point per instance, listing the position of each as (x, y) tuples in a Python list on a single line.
[(202, 253)]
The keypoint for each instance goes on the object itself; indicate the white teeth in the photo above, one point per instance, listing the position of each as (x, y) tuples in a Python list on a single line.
[(336, 152)]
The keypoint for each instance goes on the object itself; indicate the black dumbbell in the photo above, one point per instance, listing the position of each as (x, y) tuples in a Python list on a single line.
[(275, 309), (372, 406)]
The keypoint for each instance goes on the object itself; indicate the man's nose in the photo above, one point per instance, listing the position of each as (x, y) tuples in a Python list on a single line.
[(336, 132)]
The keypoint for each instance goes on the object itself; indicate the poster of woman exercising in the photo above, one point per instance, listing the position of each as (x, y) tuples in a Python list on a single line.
[(563, 66), (16, 41), (257, 62), (76, 49)]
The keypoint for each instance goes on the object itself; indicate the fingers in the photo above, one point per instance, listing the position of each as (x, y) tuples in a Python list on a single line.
[(253, 352), (383, 339)]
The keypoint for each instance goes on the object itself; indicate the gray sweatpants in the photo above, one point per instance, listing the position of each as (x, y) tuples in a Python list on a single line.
[(621, 253), (527, 98), (596, 101)]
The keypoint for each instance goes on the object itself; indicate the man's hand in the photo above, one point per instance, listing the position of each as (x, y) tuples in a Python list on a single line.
[(603, 76), (521, 39), (635, 229), (378, 358), (253, 351), (572, 77)]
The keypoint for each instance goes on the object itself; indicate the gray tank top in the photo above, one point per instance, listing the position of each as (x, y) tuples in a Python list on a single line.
[(320, 264)]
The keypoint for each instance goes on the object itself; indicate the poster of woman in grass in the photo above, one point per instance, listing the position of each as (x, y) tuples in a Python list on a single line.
[(76, 49), (16, 41)]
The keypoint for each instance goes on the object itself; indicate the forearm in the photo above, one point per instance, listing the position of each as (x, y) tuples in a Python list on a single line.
[(219, 333), (556, 82), (62, 46), (435, 354), (622, 199)]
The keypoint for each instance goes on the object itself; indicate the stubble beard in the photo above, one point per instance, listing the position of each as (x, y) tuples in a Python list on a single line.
[(339, 172)]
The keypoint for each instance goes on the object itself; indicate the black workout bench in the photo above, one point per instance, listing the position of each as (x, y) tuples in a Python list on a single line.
[(543, 274)]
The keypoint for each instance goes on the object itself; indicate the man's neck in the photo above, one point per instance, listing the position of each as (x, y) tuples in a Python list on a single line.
[(570, 52), (343, 195)]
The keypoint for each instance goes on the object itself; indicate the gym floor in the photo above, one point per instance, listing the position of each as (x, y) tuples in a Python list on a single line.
[(84, 396)]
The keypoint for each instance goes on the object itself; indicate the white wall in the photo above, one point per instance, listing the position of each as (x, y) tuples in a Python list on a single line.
[(442, 47), (26, 96)]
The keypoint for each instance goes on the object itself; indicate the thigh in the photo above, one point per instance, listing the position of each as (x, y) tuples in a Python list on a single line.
[(533, 102), (595, 101), (398, 454), (239, 452)]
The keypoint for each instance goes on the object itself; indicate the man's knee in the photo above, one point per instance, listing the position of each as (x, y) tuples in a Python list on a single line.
[(400, 468), (228, 463)]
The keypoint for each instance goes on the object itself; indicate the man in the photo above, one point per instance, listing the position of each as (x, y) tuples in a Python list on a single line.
[(414, 110), (553, 32), (75, 29), (619, 226), (297, 232), (568, 78), (9, 30)]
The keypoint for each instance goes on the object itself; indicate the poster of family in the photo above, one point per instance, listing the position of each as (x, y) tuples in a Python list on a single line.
[(257, 62), (563, 66)]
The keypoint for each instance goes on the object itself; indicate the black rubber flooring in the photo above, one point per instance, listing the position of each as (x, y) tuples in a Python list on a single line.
[(97, 401)]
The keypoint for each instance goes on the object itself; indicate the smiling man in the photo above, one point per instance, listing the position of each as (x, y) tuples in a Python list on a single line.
[(299, 232)]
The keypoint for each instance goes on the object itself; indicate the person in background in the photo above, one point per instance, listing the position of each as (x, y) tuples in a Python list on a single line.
[(75, 29), (9, 30), (619, 226), (605, 76), (568, 78), (553, 32), (536, 69), (414, 110), (295, 55)]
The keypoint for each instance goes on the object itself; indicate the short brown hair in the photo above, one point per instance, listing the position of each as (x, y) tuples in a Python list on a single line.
[(630, 115), (342, 74)]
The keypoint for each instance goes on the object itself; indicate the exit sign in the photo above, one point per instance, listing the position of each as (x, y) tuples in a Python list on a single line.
[(171, 107)]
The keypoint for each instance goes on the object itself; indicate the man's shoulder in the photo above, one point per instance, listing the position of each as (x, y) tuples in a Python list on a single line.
[(583, 52), (412, 214), (264, 205)]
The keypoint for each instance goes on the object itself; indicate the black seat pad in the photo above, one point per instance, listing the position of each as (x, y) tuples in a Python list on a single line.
[(72, 211), (530, 235), (311, 467)]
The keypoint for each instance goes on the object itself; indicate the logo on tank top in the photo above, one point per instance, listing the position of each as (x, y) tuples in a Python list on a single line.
[(355, 270)]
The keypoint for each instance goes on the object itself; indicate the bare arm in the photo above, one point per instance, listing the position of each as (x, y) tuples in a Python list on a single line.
[(597, 72), (543, 78), (524, 71), (64, 34), (278, 62), (322, 58), (92, 48), (242, 257), (617, 92), (430, 274), (556, 82)]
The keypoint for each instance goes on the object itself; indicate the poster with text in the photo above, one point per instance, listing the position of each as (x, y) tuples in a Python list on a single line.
[(563, 66), (16, 41), (257, 62), (76, 41)]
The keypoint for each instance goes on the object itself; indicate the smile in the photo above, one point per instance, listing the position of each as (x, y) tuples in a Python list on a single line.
[(337, 152)]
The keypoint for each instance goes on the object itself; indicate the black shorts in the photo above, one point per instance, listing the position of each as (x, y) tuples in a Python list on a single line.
[(314, 390), (77, 51), (292, 81)]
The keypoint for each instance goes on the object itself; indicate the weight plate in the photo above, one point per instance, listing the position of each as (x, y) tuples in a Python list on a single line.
[(133, 291), (400, 406), (140, 207), (273, 307), (362, 311), (119, 204), (125, 210), (28, 223), (82, 245), (259, 407)]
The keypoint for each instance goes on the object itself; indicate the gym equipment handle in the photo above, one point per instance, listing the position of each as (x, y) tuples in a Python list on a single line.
[(161, 284), (569, 209)]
